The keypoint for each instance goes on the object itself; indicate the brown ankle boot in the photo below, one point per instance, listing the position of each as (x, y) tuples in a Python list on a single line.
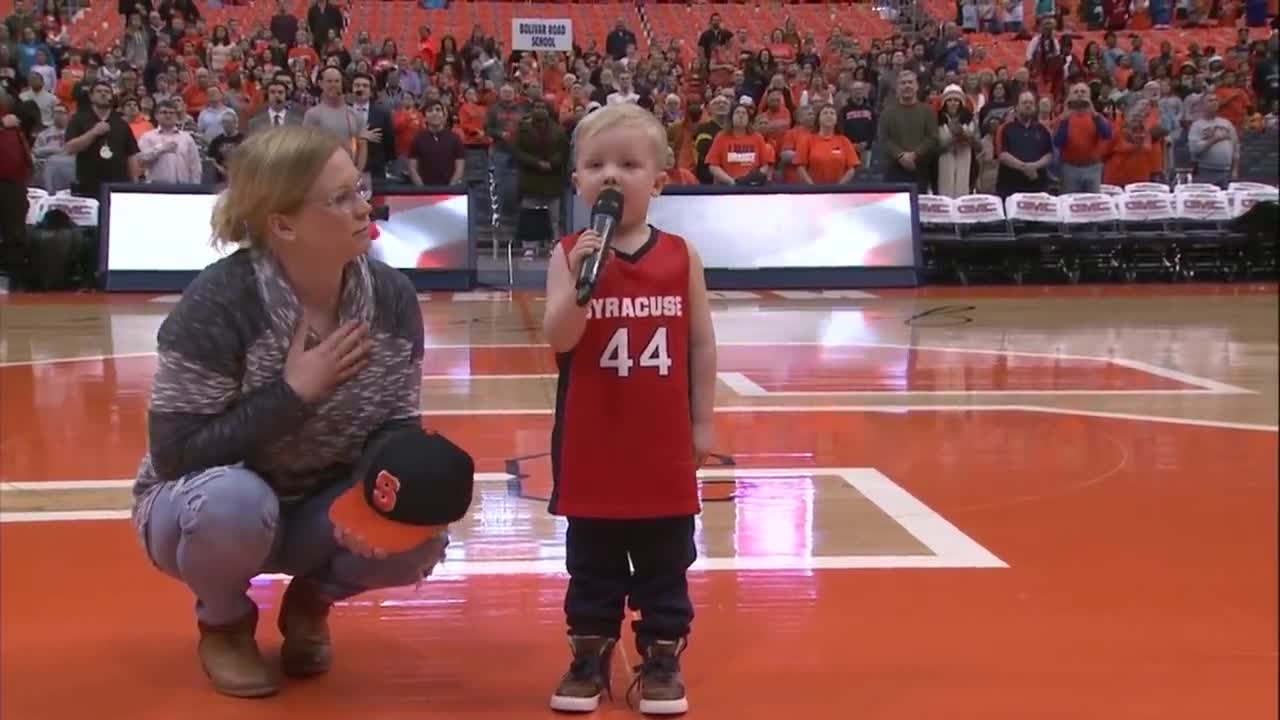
[(230, 657), (304, 622), (658, 679), (588, 676)]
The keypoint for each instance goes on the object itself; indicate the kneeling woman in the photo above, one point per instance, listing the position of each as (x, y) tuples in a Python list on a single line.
[(275, 368)]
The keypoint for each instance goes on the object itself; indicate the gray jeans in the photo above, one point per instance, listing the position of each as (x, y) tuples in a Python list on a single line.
[(1080, 178), (215, 530), (1212, 176)]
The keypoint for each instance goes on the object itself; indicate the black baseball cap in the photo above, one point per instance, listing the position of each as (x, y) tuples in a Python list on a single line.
[(409, 486)]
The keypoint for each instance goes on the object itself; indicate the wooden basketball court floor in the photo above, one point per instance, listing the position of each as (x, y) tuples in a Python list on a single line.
[(1025, 503)]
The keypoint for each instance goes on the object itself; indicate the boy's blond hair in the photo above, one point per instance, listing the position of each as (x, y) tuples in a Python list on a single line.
[(624, 115)]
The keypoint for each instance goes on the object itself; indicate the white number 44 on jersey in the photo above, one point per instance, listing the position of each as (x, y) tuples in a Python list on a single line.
[(617, 353)]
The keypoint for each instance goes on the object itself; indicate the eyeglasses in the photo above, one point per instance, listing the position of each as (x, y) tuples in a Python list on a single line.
[(349, 199)]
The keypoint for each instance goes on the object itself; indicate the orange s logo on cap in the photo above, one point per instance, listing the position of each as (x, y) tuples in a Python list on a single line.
[(385, 491)]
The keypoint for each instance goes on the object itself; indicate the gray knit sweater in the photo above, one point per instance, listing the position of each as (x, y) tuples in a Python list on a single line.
[(219, 396)]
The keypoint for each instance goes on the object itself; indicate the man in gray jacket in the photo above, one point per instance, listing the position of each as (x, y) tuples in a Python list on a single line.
[(1215, 147)]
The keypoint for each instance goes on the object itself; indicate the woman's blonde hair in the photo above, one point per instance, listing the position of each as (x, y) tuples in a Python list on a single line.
[(619, 115), (270, 172)]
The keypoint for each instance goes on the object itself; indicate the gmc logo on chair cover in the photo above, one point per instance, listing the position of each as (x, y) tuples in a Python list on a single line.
[(1134, 205), (1204, 204), (1036, 207), (977, 208), (1091, 207)]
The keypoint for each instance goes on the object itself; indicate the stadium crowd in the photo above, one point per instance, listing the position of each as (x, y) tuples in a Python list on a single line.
[(169, 100)]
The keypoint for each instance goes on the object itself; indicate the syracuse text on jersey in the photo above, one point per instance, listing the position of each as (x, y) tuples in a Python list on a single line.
[(636, 307)]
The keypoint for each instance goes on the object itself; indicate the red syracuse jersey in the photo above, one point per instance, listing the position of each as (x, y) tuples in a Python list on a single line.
[(622, 445)]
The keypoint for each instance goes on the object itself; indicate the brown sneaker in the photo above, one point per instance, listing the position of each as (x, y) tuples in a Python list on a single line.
[(658, 679), (230, 657), (588, 677), (304, 622)]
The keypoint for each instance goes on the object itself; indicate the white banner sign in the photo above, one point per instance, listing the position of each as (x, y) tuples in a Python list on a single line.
[(546, 34)]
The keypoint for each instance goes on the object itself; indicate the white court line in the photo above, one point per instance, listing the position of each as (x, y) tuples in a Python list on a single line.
[(1204, 383), (1211, 385), (554, 567), (68, 485), (930, 528), (1221, 424), (1166, 373), (712, 472), (902, 409), (949, 546), (741, 384), (968, 393), (78, 358), (63, 516), (468, 377), (1124, 362), (746, 387), (481, 477)]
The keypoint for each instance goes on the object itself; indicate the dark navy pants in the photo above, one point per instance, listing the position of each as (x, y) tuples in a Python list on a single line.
[(642, 564)]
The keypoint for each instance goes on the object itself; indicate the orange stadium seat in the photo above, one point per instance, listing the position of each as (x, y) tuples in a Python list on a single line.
[(399, 21), (686, 22)]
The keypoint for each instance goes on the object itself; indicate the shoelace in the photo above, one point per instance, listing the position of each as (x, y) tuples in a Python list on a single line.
[(589, 667), (656, 668), (584, 667)]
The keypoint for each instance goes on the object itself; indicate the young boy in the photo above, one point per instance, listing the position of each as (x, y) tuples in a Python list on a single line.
[(633, 420)]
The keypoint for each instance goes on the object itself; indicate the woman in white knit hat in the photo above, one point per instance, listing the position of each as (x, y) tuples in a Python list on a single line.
[(957, 136)]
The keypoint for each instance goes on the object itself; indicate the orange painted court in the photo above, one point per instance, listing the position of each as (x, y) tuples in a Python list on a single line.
[(943, 504)]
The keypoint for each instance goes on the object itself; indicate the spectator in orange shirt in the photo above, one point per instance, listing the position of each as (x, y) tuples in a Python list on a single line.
[(782, 51), (721, 65), (425, 50), (304, 50), (553, 74), (1128, 155), (1233, 101), (681, 134), (471, 118), (740, 155), (677, 175), (775, 118), (829, 158), (138, 122), (196, 95), (576, 96), (1081, 139), (795, 145), (406, 122), (1147, 112)]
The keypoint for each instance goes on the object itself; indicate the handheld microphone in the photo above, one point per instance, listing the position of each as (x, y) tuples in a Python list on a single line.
[(605, 216)]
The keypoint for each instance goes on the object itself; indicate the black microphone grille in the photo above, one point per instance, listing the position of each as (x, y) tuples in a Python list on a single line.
[(608, 202)]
